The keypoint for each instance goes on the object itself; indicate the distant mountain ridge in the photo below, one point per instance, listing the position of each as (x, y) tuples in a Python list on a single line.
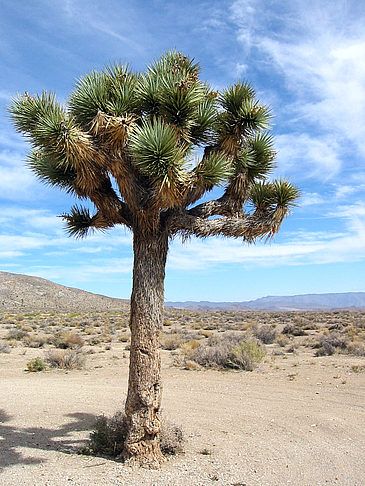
[(333, 301), (22, 293)]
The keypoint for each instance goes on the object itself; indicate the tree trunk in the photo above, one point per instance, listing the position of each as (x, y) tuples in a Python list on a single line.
[(144, 388)]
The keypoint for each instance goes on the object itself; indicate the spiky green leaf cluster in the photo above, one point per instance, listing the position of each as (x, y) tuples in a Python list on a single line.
[(156, 152), (268, 196), (142, 129), (78, 221)]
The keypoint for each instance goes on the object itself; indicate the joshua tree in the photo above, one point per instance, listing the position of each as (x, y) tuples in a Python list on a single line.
[(166, 139)]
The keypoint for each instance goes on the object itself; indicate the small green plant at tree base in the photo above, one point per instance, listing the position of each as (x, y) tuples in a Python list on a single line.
[(36, 364)]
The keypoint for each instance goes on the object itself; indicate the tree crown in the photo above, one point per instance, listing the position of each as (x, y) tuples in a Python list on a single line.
[(143, 130)]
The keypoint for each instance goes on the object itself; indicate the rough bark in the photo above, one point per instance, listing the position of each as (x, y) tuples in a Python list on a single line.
[(247, 226), (142, 445)]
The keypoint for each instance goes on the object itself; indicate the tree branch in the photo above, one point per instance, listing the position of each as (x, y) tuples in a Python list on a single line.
[(248, 227)]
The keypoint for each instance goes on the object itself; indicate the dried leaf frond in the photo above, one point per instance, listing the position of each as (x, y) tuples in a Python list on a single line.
[(112, 131)]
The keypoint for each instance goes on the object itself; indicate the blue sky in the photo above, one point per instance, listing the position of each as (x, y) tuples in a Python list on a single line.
[(305, 58)]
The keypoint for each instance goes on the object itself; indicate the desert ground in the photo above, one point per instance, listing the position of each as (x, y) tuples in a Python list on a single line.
[(296, 419)]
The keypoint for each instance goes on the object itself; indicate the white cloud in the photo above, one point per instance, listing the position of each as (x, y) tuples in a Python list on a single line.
[(310, 199), (299, 152), (318, 50)]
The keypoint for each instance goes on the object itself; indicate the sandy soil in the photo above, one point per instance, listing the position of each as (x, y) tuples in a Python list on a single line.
[(296, 420)]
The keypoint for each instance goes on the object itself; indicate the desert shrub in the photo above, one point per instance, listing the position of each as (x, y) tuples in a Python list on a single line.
[(109, 435), (245, 355), (36, 364), (67, 359), (294, 330), (282, 341), (356, 348), (325, 350), (67, 340), (4, 348), (189, 347), (229, 351), (334, 340), (16, 335), (34, 341), (124, 337), (171, 342), (266, 334)]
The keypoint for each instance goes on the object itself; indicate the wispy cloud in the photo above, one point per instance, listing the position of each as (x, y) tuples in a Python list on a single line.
[(300, 249), (320, 56)]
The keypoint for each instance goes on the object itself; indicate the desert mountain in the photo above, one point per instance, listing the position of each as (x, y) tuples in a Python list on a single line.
[(22, 293), (347, 300)]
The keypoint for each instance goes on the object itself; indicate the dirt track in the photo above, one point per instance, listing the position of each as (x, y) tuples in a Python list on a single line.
[(296, 421)]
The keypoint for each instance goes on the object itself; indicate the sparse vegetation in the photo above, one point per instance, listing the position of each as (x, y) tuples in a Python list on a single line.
[(109, 434), (35, 365), (227, 351), (67, 359)]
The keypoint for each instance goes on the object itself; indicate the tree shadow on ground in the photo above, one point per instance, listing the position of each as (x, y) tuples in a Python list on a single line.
[(59, 439)]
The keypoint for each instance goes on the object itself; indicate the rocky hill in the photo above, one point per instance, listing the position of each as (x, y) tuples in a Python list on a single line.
[(22, 293)]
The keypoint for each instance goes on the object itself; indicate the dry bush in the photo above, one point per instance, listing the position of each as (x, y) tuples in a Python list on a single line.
[(334, 340), (109, 436), (294, 330), (356, 348), (325, 350), (68, 340), (4, 348), (171, 342), (282, 341), (228, 351), (16, 335), (266, 334), (67, 359), (35, 341)]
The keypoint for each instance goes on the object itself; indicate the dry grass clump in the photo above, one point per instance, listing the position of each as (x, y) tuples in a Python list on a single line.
[(266, 334), (356, 348), (109, 435), (68, 340), (294, 330), (16, 335), (228, 351), (4, 348), (67, 359), (35, 341), (171, 341)]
